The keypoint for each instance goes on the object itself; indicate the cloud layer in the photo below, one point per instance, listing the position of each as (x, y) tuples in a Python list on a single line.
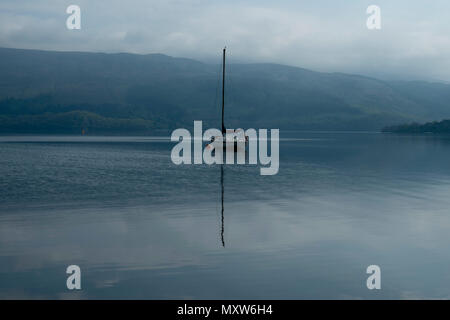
[(324, 35)]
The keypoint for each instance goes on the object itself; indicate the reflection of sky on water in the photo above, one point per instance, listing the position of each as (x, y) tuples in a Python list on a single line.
[(310, 232)]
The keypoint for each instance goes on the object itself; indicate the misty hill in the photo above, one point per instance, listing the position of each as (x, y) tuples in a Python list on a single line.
[(45, 91)]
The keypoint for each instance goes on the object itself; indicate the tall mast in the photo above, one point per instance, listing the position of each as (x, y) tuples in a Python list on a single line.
[(223, 91)]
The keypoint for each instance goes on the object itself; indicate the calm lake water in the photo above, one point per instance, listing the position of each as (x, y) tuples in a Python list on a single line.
[(141, 227)]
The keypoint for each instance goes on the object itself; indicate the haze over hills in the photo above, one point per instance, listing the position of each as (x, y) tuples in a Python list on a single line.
[(65, 92)]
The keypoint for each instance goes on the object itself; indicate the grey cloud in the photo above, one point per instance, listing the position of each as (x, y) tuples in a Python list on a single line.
[(321, 35)]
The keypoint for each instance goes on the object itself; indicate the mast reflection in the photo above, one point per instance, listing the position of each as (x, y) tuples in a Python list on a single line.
[(222, 231)]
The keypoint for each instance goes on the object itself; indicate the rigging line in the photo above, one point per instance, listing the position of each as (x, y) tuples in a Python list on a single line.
[(230, 84), (216, 102), (231, 98), (223, 90)]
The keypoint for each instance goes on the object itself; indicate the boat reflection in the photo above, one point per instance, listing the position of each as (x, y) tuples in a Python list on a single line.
[(222, 229), (239, 153)]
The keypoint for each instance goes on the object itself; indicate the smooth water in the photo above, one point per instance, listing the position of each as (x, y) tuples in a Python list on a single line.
[(141, 227)]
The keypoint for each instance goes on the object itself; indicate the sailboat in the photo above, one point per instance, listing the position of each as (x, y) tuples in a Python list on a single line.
[(238, 137)]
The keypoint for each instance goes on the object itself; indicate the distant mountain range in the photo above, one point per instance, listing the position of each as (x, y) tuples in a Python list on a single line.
[(66, 92), (439, 127)]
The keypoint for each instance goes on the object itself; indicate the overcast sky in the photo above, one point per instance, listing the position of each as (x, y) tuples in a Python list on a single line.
[(323, 35)]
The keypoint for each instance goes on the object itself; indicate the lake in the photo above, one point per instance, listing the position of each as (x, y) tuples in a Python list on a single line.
[(141, 227)]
